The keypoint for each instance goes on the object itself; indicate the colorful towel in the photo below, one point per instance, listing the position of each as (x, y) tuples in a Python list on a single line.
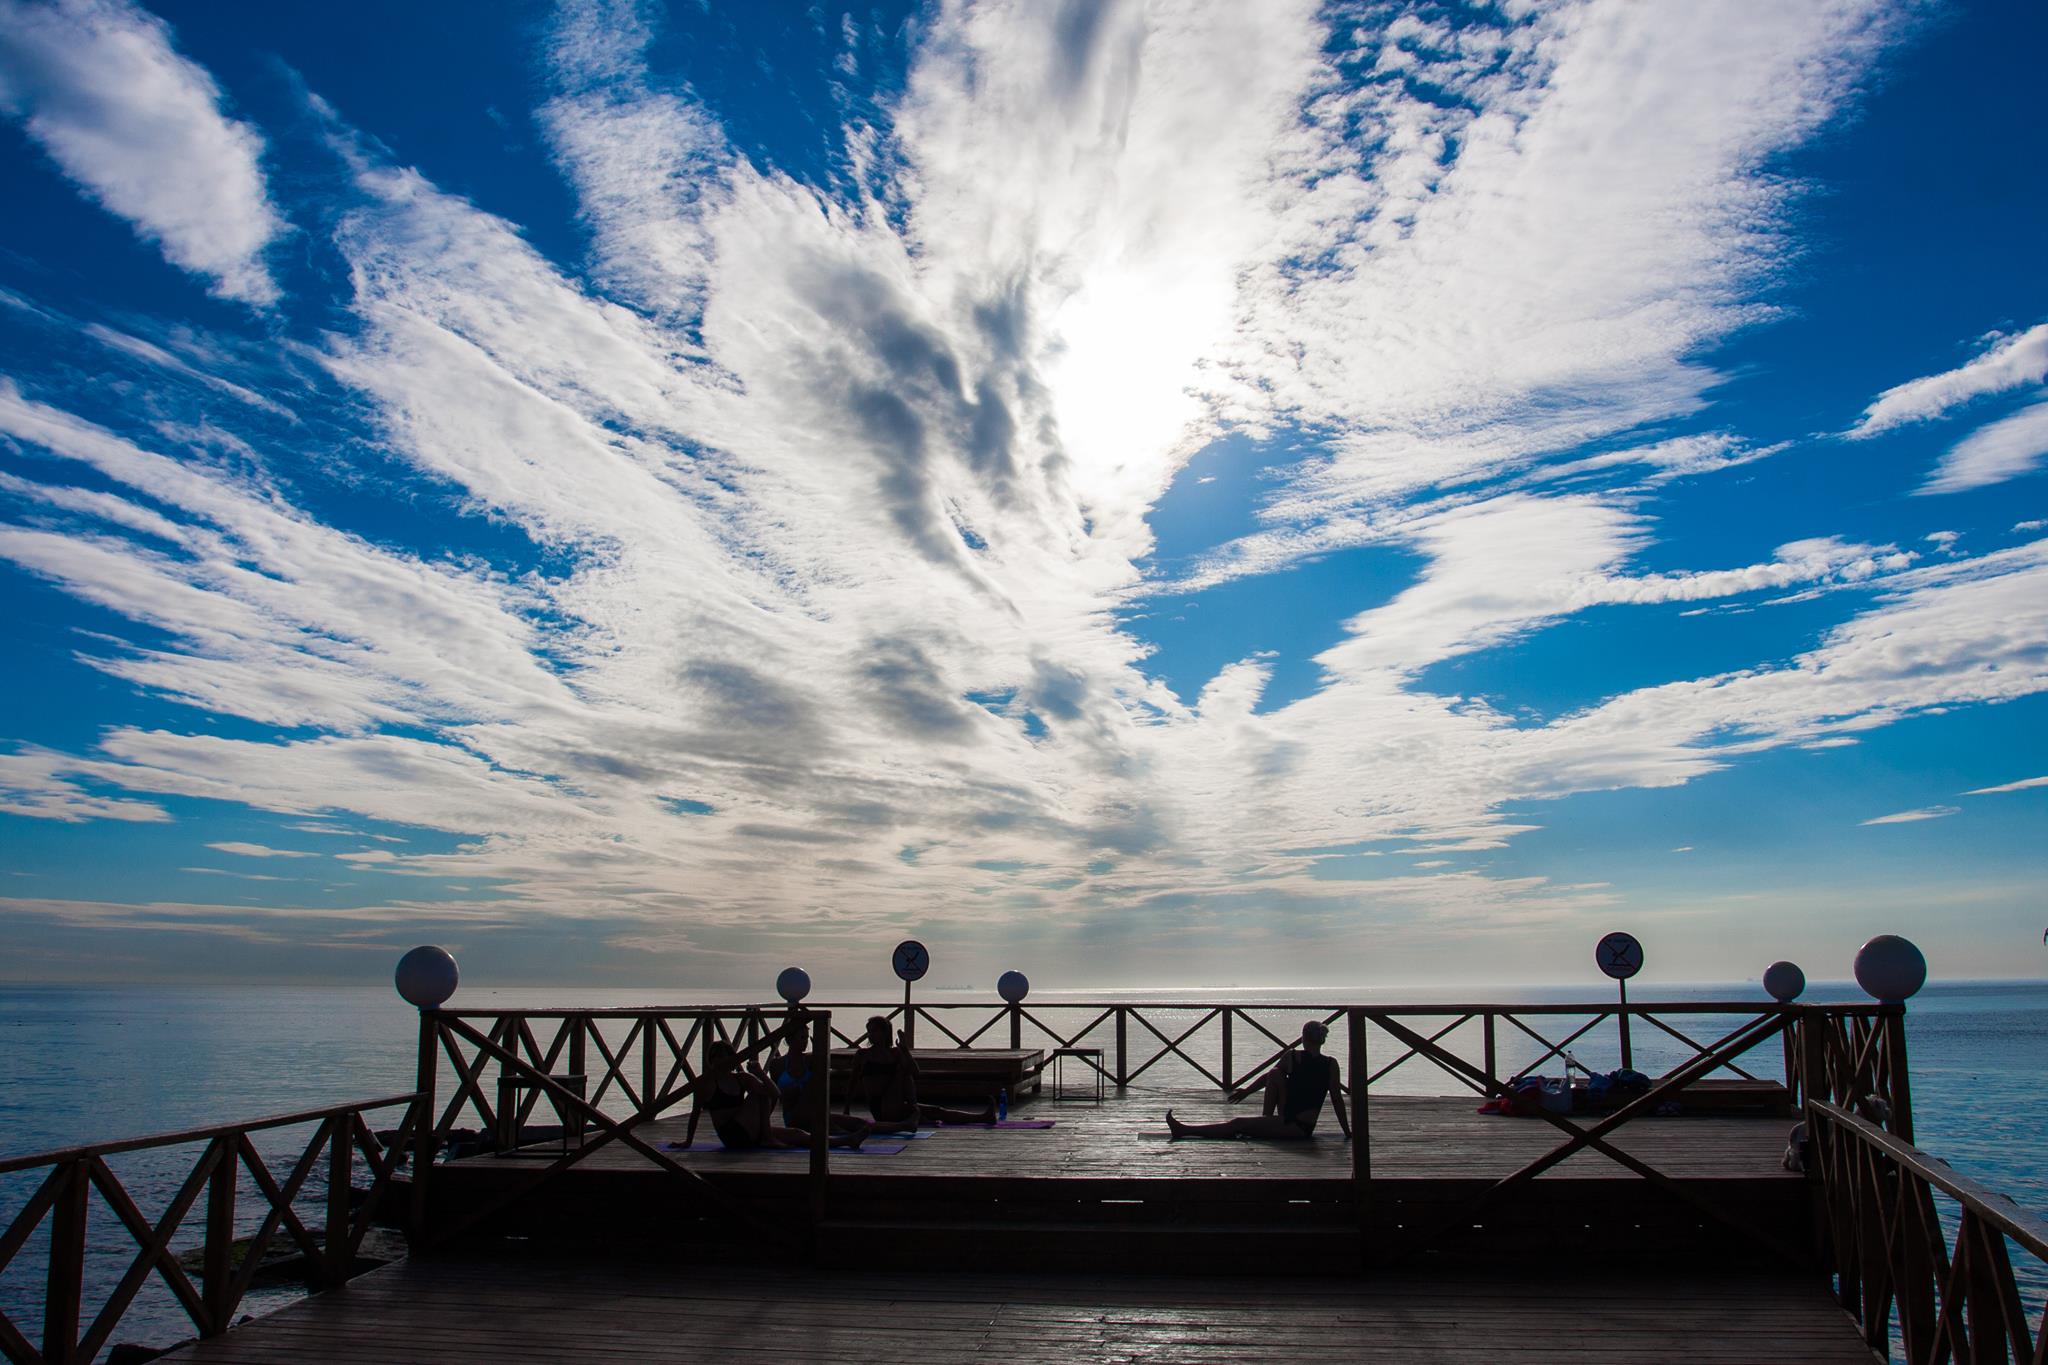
[(865, 1149)]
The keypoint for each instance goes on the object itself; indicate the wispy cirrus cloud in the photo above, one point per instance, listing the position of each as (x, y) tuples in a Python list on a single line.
[(1912, 817), (98, 85), (794, 523), (2000, 450), (2024, 784), (2011, 362)]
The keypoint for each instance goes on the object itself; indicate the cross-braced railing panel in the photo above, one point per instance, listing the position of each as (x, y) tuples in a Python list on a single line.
[(83, 1212), (1936, 1290)]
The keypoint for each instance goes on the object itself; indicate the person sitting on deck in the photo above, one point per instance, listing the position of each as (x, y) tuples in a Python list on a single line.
[(741, 1102), (789, 1066), (885, 1074), (1294, 1096)]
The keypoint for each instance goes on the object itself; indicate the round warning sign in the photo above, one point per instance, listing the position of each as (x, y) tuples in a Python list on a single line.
[(912, 961), (1619, 955)]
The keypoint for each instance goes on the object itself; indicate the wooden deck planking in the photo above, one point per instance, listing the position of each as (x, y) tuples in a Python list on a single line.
[(1413, 1138), (493, 1310)]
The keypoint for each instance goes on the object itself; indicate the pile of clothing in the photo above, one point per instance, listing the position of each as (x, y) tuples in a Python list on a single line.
[(1598, 1093)]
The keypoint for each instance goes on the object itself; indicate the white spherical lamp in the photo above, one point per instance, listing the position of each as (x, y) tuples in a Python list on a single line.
[(1783, 981), (1890, 969), (1013, 987), (793, 984), (426, 977)]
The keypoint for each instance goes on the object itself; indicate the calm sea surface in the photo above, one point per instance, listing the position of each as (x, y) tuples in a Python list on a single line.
[(89, 1064)]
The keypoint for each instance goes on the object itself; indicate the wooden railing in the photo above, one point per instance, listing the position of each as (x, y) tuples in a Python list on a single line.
[(1233, 1046), (342, 1134), (1844, 1064), (1896, 1269), (651, 1058), (653, 1066)]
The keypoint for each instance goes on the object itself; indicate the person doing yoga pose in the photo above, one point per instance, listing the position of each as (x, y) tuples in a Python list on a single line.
[(741, 1103), (1295, 1089), (885, 1074), (789, 1066)]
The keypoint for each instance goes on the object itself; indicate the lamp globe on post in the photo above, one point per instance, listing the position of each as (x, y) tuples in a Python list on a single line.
[(793, 984), (426, 977), (1013, 986), (1890, 969), (1784, 982)]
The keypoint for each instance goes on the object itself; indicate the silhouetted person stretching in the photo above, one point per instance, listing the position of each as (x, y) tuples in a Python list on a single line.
[(741, 1103), (885, 1074), (1294, 1097)]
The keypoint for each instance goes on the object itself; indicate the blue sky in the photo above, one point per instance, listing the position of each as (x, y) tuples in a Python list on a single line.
[(1140, 492)]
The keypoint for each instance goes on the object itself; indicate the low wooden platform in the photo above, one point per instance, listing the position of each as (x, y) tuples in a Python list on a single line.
[(488, 1311), (1003, 1199), (949, 1074)]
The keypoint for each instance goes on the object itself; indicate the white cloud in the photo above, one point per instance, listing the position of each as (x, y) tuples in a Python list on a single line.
[(2024, 784), (842, 489), (31, 785), (1908, 817), (1995, 452), (2014, 362), (1533, 262), (140, 129), (247, 850)]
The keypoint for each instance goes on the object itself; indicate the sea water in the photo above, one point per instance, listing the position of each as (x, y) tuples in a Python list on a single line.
[(97, 1063)]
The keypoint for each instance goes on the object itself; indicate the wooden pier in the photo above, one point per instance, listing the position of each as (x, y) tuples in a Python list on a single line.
[(536, 1171), (487, 1311)]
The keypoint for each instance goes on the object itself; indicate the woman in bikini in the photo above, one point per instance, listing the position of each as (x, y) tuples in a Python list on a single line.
[(741, 1103), (885, 1074), (789, 1066), (1295, 1090)]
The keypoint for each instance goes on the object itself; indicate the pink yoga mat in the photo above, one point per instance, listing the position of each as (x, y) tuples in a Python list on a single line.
[(865, 1149)]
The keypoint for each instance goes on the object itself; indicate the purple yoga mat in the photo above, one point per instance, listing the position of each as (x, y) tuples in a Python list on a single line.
[(865, 1149), (1023, 1123)]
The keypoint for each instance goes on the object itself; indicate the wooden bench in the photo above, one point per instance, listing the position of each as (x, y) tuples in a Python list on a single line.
[(1736, 1097), (960, 1073)]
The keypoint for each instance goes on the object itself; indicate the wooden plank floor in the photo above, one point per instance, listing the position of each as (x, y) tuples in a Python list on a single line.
[(1413, 1137), (486, 1312)]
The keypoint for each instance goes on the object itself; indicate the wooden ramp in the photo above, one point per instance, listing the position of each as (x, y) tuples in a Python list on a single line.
[(484, 1312)]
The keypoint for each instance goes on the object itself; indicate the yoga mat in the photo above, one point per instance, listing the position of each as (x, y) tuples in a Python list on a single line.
[(1020, 1123), (865, 1149)]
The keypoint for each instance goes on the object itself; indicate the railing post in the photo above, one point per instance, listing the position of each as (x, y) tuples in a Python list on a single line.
[(340, 1177), (1227, 1072), (423, 1130), (1016, 1028), (1628, 1061), (579, 1026), (648, 1030), (218, 1253), (1123, 1074), (1492, 1058), (821, 1115), (65, 1286), (1361, 1118), (1895, 1070)]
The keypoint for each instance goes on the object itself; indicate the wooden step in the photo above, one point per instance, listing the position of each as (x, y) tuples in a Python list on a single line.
[(1131, 1249)]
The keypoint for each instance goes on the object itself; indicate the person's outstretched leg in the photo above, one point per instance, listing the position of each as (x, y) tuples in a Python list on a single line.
[(798, 1137), (1261, 1126), (934, 1114)]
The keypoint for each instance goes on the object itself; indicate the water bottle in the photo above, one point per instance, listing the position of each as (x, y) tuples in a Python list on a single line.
[(1002, 1104)]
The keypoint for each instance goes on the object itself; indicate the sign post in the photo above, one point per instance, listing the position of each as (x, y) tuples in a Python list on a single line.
[(1621, 957), (911, 961)]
